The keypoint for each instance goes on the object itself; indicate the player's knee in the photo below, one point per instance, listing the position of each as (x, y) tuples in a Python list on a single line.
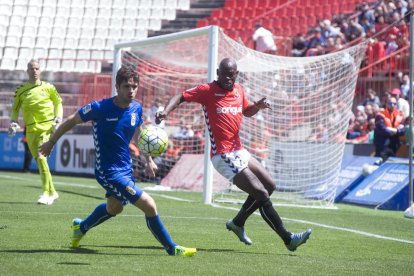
[(147, 204), (114, 209), (266, 203), (261, 195)]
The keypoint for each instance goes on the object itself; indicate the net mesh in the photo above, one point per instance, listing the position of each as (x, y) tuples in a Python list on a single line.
[(300, 140)]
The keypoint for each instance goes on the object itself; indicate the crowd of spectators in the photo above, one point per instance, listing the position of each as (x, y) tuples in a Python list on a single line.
[(384, 22), (368, 125)]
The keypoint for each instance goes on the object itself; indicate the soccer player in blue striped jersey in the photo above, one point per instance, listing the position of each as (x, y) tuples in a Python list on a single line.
[(115, 122)]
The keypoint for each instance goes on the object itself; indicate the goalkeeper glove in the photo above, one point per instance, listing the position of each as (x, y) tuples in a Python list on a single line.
[(13, 129), (56, 123)]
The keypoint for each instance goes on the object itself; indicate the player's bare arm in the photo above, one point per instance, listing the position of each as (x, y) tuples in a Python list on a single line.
[(67, 125), (172, 104), (151, 167), (252, 109)]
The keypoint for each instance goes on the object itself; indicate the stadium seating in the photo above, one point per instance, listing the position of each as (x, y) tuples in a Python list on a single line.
[(285, 18), (53, 27)]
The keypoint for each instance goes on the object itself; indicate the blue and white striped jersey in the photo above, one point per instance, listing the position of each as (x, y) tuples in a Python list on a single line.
[(113, 129)]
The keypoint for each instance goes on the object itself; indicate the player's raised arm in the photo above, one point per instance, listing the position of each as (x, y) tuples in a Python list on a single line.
[(68, 124), (172, 104), (252, 109)]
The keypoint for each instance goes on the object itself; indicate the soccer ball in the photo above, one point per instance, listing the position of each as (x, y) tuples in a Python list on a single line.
[(153, 141)]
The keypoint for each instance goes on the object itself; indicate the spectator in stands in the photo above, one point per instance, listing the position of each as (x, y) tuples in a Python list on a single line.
[(315, 39), (42, 111), (384, 99), (402, 28), (113, 165), (380, 27), (405, 85), (388, 129), (357, 128), (264, 39), (317, 50), (410, 8), (355, 30), (369, 28), (376, 108), (27, 155), (401, 7), (402, 104), (369, 111), (327, 30), (225, 103), (186, 131), (299, 46), (392, 45), (372, 98), (156, 107), (330, 45), (339, 43), (389, 9), (379, 11)]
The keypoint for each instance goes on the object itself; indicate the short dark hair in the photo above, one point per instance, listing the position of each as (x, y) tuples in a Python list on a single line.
[(125, 73)]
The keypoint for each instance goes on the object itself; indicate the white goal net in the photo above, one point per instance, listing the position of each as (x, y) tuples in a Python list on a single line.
[(300, 140)]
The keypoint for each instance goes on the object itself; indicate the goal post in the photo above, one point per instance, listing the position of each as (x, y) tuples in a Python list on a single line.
[(212, 32), (300, 140)]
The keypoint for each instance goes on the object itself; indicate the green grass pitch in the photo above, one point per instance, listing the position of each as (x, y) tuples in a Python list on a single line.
[(34, 239)]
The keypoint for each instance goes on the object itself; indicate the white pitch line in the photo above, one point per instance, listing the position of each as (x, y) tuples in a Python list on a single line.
[(171, 197), (363, 233), (61, 183)]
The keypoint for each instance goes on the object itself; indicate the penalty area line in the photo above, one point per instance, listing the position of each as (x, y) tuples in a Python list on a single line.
[(354, 231)]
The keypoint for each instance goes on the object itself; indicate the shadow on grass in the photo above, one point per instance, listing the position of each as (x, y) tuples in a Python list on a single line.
[(18, 202), (71, 192), (210, 250), (72, 263), (69, 250)]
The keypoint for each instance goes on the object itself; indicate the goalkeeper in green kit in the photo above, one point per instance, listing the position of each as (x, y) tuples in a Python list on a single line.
[(42, 113)]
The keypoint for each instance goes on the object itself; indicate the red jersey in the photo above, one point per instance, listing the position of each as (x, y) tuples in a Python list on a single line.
[(223, 114)]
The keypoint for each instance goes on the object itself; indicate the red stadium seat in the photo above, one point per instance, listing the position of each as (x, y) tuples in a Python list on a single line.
[(248, 13), (217, 13), (202, 23)]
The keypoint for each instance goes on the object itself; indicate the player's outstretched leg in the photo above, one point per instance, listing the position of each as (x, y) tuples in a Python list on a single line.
[(159, 231), (291, 240), (297, 239), (239, 231), (80, 227), (77, 234)]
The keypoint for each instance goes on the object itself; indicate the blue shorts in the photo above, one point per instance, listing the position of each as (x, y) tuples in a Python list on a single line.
[(120, 186)]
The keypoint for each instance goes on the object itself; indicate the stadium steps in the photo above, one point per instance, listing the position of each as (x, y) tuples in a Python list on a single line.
[(186, 20)]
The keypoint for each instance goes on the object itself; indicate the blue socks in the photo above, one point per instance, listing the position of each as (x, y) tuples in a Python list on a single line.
[(99, 215), (160, 233)]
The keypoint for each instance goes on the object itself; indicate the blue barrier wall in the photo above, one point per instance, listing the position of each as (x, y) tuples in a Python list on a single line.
[(386, 188), (12, 153)]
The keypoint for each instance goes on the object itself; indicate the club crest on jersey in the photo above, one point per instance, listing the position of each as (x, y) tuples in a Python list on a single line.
[(236, 93), (130, 190), (86, 108), (133, 119)]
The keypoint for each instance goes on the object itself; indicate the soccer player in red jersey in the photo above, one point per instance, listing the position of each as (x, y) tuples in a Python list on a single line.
[(224, 104)]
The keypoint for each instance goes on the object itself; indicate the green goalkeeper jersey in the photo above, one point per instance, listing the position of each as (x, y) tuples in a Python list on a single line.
[(40, 104)]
